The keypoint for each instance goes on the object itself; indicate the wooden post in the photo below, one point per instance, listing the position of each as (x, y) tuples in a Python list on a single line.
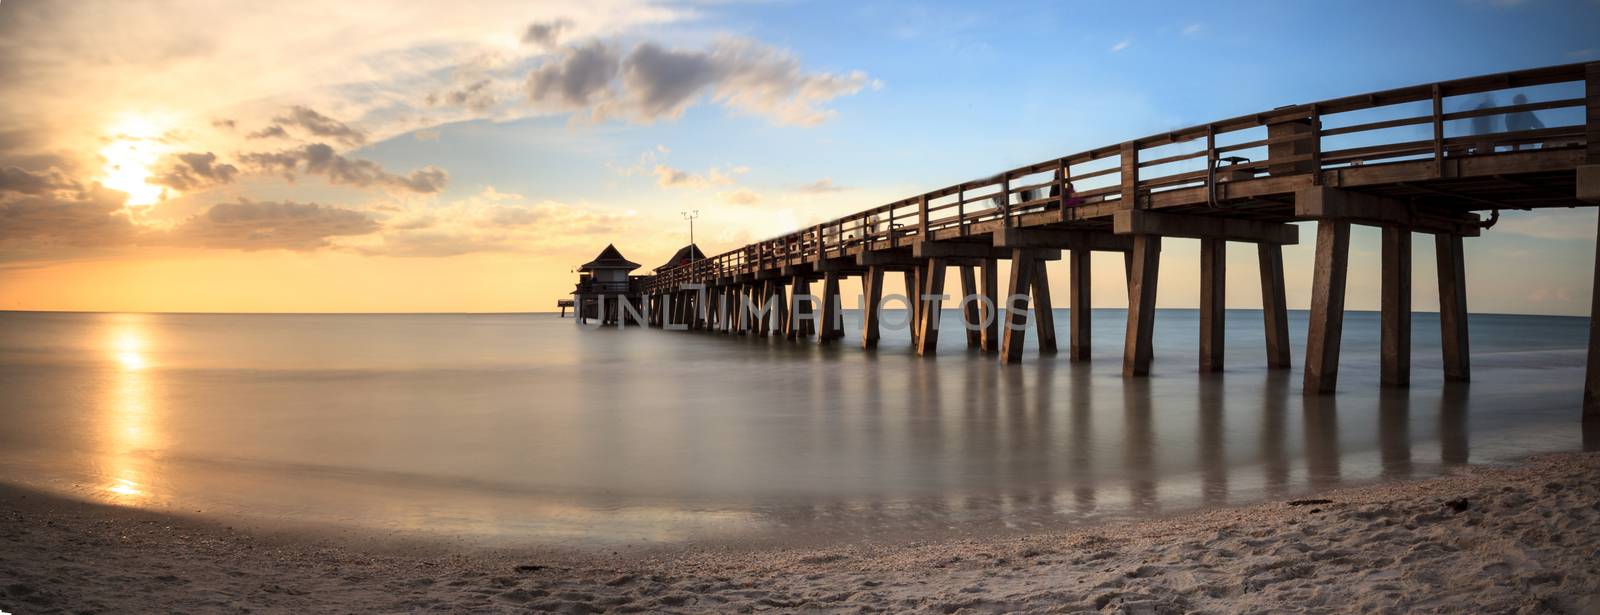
[(913, 278), (989, 274), (1327, 307), (970, 314), (1591, 381), (1138, 346), (764, 295), (1453, 307), (783, 315), (1079, 315), (872, 287), (1274, 305), (1395, 306), (1015, 331), (800, 328), (831, 329), (1128, 156), (932, 286), (1213, 303), (1044, 317)]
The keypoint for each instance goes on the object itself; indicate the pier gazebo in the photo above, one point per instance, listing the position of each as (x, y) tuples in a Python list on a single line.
[(605, 281)]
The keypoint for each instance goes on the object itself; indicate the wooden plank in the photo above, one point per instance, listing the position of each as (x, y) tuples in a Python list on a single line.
[(1327, 307), (1395, 309), (1589, 183), (1138, 345), (930, 307), (971, 316), (1140, 222), (1213, 303), (1129, 157), (1080, 312), (1453, 307), (872, 287), (1591, 92), (1009, 238), (989, 281), (1044, 311), (1015, 331), (1274, 305), (1323, 203)]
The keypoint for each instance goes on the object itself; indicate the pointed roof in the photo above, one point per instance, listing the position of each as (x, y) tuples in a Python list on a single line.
[(687, 254), (609, 258)]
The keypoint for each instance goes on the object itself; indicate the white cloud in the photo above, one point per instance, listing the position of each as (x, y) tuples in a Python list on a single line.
[(1121, 45)]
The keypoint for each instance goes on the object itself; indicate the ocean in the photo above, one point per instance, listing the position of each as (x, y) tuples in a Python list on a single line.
[(504, 429)]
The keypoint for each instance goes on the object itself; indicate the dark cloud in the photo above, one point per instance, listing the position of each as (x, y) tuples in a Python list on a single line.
[(271, 132), (17, 179), (475, 96), (89, 218), (651, 81), (578, 78), (320, 159), (249, 225), (224, 123), (545, 33), (194, 170), (307, 119)]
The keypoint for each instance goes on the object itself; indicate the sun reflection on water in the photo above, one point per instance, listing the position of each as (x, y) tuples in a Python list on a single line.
[(127, 408)]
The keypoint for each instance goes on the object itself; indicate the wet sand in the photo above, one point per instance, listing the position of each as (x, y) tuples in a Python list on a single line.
[(1523, 539)]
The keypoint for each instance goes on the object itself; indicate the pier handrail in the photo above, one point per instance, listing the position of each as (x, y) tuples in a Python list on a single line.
[(1127, 174)]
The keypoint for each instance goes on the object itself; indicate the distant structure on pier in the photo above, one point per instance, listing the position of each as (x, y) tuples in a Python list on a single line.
[(685, 255), (603, 283)]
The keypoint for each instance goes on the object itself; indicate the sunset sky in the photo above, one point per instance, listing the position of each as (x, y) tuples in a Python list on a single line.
[(466, 156)]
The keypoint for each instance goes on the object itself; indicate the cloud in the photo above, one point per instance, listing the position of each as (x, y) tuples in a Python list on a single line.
[(224, 123), (653, 82), (545, 33), (1121, 45), (192, 171), (579, 78), (249, 225), (668, 177), (1584, 53), (319, 125), (320, 159), (476, 96), (740, 197), (90, 218), (271, 132), (820, 186), (493, 221), (17, 179), (1193, 28)]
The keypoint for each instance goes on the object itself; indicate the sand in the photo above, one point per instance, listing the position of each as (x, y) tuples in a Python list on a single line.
[(1523, 539)]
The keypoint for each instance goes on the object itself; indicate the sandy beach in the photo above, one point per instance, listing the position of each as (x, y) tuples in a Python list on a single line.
[(1522, 539)]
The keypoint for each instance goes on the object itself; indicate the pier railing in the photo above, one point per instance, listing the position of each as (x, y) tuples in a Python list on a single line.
[(1197, 163)]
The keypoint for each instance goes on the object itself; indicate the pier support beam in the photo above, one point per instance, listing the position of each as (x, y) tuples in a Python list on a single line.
[(764, 301), (1274, 305), (971, 315), (1327, 307), (1213, 303), (913, 278), (1138, 347), (1453, 307), (1015, 331), (989, 281), (872, 287), (832, 329), (929, 306), (1079, 316), (1589, 190), (1043, 310), (780, 303), (1395, 306)]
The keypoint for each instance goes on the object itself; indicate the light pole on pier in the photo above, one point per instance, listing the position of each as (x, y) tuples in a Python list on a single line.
[(690, 216)]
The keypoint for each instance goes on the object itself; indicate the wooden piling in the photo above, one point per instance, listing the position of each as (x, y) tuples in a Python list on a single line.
[(1044, 316), (1274, 305), (1014, 333), (989, 274), (1213, 303), (1453, 307), (1395, 308), (1139, 343), (832, 329), (928, 325), (1327, 307), (1079, 314), (872, 287), (971, 315), (913, 280)]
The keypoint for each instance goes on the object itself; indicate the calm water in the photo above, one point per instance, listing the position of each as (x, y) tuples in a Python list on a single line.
[(527, 428)]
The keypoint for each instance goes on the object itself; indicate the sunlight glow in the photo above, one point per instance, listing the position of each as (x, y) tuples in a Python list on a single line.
[(135, 146)]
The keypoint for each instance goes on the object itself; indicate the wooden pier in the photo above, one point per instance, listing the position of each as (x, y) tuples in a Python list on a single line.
[(1352, 160)]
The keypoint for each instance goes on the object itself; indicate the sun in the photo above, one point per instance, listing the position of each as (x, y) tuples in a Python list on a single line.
[(134, 147)]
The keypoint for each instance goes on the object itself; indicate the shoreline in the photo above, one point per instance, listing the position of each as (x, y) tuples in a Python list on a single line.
[(1523, 538)]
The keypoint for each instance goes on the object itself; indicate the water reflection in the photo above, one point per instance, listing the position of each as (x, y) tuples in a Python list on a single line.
[(514, 426), (129, 428)]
